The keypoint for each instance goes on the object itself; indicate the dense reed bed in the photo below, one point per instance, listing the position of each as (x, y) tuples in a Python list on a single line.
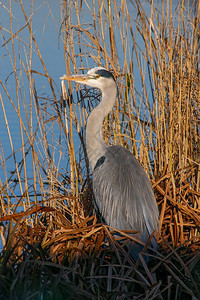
[(53, 244)]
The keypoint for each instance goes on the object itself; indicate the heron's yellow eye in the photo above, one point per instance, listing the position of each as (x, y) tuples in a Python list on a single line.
[(95, 76)]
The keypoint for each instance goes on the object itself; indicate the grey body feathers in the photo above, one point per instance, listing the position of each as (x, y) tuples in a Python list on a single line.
[(131, 202)]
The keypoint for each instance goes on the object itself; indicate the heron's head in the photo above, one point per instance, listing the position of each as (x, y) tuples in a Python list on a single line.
[(97, 77)]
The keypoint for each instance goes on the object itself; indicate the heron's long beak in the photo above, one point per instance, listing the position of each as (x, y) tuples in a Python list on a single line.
[(77, 78)]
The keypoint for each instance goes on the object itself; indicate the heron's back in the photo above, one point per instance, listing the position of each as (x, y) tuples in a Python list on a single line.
[(123, 193)]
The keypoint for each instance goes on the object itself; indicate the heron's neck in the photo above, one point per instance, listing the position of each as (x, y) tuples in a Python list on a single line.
[(95, 143)]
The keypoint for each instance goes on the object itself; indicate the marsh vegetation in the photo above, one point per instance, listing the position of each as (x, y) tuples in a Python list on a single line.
[(53, 246)]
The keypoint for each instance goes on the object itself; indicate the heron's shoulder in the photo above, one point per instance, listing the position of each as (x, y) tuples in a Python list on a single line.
[(120, 153), (120, 158)]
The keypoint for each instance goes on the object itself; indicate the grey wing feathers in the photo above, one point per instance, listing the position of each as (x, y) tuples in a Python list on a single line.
[(123, 193)]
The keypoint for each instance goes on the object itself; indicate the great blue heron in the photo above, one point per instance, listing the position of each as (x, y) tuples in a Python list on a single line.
[(122, 190)]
